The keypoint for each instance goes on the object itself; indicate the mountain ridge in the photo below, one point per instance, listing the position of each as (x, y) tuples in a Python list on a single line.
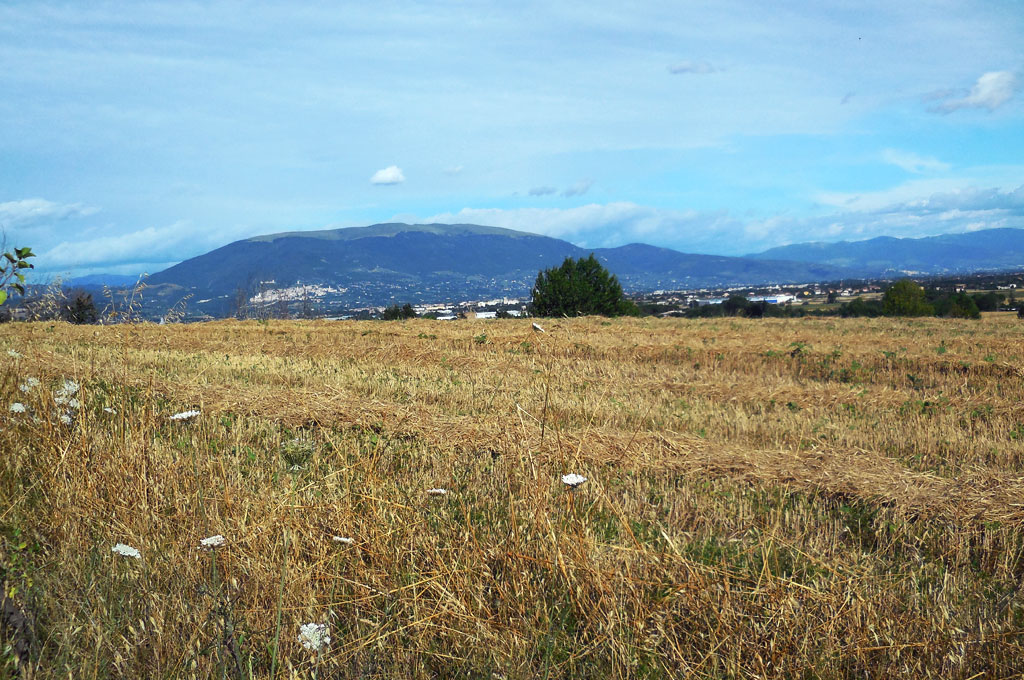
[(995, 249), (389, 262)]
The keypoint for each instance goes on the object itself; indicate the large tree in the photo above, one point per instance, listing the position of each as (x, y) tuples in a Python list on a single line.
[(906, 298), (579, 287)]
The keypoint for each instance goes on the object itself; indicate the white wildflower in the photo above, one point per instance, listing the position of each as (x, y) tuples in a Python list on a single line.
[(314, 636), (69, 388), (126, 551), (17, 407), (65, 418), (212, 542), (573, 480), (74, 403), (65, 395), (437, 492), (28, 384), (107, 409), (14, 354), (344, 540), (185, 415)]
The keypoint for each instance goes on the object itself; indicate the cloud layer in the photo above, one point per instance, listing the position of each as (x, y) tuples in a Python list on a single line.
[(719, 232), (34, 212)]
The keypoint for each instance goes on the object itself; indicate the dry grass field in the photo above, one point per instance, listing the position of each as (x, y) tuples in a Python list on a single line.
[(795, 498)]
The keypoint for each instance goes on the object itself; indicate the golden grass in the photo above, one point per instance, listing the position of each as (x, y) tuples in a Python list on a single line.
[(772, 498)]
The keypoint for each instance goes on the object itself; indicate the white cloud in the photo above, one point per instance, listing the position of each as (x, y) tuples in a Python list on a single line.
[(912, 162), (695, 67), (992, 90), (31, 212), (152, 244), (389, 175), (578, 189), (599, 225), (908, 214)]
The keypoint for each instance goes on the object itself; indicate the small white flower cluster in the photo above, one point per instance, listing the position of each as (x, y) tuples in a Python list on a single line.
[(212, 542), (107, 409), (126, 551), (573, 480), (437, 492), (344, 540), (185, 415), (314, 636), (14, 354), (17, 407), (65, 396), (29, 384)]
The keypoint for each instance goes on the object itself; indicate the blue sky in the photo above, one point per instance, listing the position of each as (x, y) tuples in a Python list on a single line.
[(135, 135)]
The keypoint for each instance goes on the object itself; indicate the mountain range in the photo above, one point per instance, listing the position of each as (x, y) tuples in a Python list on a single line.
[(388, 263), (983, 250)]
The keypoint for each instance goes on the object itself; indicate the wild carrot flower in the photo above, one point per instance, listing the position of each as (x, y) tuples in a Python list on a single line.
[(126, 551), (17, 407), (573, 480), (212, 542), (314, 636), (185, 415), (437, 492), (29, 384), (14, 354), (65, 418), (344, 540), (65, 396)]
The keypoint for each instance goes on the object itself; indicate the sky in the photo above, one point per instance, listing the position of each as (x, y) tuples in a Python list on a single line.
[(136, 135)]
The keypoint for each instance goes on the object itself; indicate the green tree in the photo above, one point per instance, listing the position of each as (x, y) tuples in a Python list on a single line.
[(988, 302), (735, 304), (79, 308), (396, 313), (963, 306), (579, 287), (906, 298), (11, 276)]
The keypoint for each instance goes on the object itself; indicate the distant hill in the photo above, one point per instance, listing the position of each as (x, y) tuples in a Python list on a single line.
[(100, 280), (386, 263), (985, 250)]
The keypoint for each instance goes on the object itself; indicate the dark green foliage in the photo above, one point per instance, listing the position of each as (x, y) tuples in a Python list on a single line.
[(79, 308), (396, 313), (957, 306), (579, 287), (906, 298), (1020, 312), (988, 302), (736, 304), (860, 307)]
